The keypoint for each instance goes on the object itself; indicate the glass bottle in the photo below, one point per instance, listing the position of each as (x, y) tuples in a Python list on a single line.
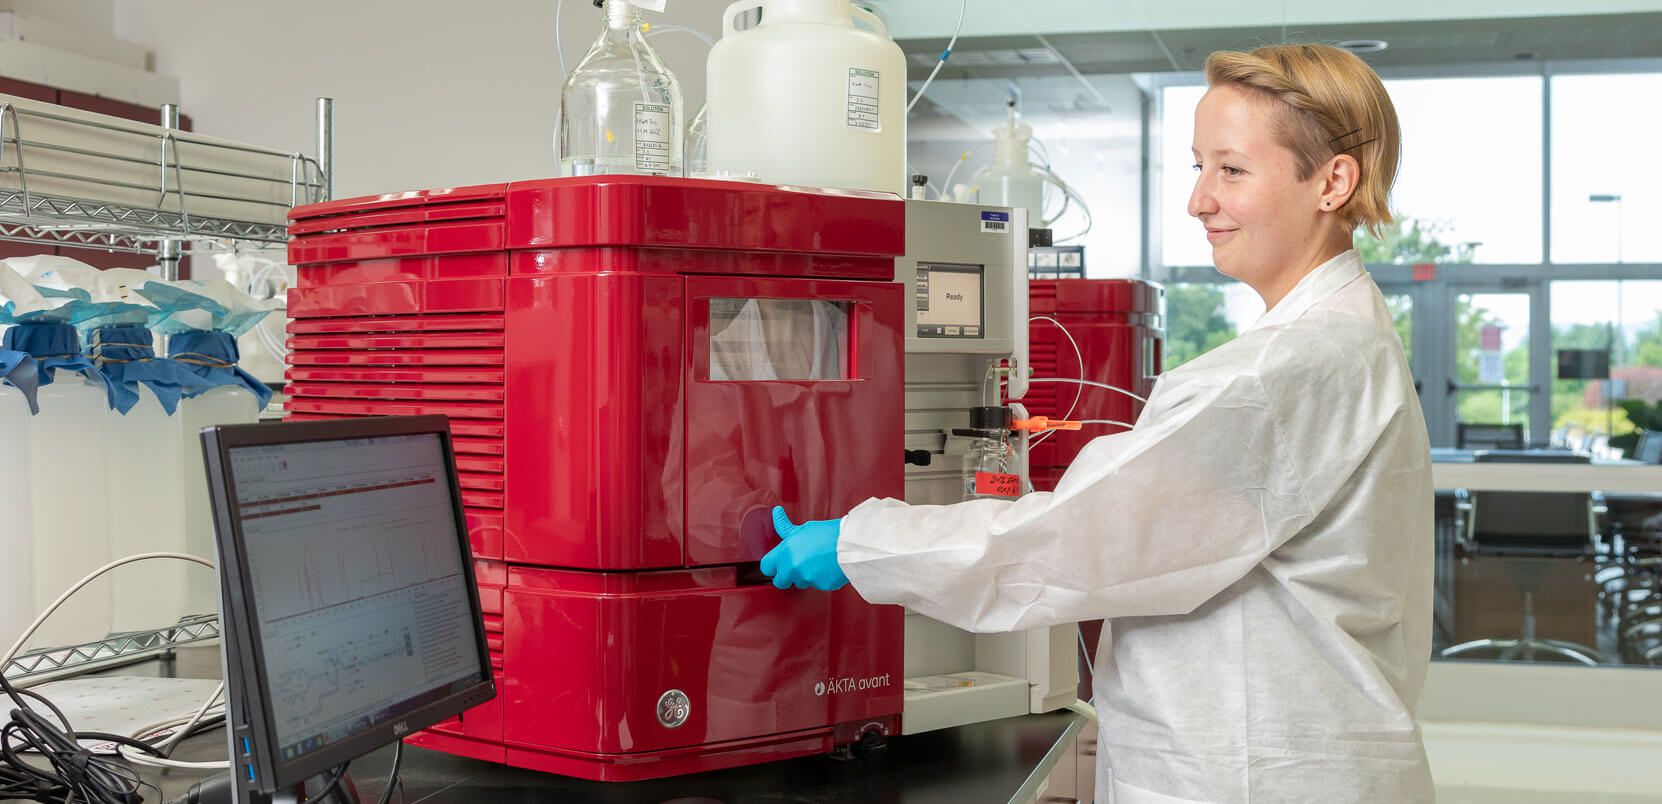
[(696, 151), (620, 110), (990, 470)]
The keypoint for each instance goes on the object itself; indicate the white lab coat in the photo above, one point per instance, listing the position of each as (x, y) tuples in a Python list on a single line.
[(1261, 544)]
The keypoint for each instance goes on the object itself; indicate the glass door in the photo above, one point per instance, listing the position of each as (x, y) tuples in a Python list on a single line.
[(1490, 384)]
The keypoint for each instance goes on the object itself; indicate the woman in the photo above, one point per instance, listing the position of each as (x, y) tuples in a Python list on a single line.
[(1261, 542)]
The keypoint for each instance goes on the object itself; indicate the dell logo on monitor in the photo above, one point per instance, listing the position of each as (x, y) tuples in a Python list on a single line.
[(400, 728)]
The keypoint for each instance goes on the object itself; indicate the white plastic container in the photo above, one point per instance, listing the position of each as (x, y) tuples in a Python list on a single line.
[(806, 98), (17, 568), (71, 517), (223, 405), (144, 482), (1011, 181)]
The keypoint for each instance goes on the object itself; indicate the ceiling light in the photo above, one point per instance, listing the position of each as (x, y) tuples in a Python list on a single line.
[(1363, 45)]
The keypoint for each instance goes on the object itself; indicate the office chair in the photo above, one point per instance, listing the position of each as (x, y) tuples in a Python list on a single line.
[(1649, 449), (1529, 534)]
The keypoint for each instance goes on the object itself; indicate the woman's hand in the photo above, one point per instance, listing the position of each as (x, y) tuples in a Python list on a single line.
[(806, 557)]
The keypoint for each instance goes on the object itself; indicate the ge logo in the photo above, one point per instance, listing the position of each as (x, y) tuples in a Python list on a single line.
[(674, 708), (819, 689)]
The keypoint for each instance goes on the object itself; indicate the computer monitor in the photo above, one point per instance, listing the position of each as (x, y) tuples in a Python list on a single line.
[(349, 612), (1583, 364)]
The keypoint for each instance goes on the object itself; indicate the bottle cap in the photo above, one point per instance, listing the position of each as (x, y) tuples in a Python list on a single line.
[(991, 418)]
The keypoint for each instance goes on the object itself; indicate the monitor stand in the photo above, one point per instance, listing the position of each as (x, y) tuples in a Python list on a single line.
[(231, 787)]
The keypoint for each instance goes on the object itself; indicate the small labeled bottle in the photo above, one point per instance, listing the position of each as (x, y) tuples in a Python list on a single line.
[(990, 470)]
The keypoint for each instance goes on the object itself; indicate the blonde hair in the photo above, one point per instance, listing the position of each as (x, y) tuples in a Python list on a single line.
[(1330, 103)]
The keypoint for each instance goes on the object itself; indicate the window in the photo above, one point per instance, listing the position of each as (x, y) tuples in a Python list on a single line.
[(1182, 240), (1625, 320), (1605, 188), (778, 339), (1202, 316), (1401, 306), (1471, 164)]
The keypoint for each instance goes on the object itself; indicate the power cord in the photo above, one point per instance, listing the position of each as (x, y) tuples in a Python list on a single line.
[(392, 775), (333, 786), (72, 772), (205, 718), (144, 753), (28, 633)]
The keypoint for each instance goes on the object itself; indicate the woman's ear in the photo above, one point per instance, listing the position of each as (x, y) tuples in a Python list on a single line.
[(1343, 176)]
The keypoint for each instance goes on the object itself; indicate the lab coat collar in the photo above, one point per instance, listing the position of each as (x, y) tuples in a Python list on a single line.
[(1320, 283)]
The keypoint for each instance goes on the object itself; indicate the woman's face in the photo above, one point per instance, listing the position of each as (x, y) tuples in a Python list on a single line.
[(1261, 219)]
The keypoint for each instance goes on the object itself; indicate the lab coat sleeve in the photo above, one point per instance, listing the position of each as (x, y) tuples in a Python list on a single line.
[(1150, 522)]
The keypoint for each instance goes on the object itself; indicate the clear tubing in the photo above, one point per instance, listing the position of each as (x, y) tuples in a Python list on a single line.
[(1078, 358), (1102, 385), (945, 54)]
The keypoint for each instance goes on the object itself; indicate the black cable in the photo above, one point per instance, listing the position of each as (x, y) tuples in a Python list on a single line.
[(49, 705), (121, 739), (392, 775), (71, 772), (332, 787)]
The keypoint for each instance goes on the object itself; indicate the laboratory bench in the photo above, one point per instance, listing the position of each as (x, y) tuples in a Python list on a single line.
[(1001, 761), (1456, 468)]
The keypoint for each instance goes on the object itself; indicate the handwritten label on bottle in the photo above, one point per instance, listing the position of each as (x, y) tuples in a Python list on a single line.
[(863, 110), (990, 484), (652, 131)]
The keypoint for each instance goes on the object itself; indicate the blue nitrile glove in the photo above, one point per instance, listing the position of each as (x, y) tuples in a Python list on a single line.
[(806, 556)]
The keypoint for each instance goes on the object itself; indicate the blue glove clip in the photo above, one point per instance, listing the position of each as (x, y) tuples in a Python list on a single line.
[(806, 557)]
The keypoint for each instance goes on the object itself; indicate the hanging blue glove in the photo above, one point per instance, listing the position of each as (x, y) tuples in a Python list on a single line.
[(806, 556)]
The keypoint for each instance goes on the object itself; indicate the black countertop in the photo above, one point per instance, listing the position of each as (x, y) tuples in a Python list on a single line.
[(1000, 761)]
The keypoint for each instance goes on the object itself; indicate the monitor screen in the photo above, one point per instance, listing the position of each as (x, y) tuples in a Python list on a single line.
[(949, 301), (1583, 364), (357, 583)]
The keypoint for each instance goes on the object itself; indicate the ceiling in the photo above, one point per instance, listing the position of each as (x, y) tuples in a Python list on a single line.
[(1411, 44)]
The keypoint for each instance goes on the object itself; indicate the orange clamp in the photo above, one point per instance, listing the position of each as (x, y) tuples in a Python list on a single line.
[(1040, 424)]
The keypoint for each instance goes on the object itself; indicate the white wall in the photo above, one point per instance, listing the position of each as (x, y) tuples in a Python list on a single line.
[(90, 14), (428, 93)]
